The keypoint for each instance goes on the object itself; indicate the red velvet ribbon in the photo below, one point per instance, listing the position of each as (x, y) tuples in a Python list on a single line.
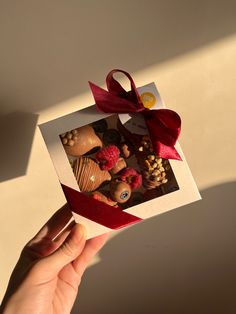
[(163, 124), (101, 213)]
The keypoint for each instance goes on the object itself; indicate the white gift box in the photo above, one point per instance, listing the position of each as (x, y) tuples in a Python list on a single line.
[(178, 191)]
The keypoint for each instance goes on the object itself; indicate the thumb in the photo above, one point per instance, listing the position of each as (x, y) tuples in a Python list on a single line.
[(66, 253)]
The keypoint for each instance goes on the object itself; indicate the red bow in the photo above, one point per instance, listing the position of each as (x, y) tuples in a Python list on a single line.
[(163, 124)]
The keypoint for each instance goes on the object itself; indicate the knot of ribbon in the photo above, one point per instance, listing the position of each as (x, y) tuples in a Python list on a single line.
[(163, 125)]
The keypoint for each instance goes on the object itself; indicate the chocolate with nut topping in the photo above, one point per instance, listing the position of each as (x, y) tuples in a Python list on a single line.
[(153, 168), (80, 141)]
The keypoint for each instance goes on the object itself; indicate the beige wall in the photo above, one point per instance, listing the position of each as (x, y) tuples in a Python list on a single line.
[(179, 262)]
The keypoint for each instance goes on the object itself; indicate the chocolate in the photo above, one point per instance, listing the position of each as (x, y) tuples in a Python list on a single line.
[(120, 191), (151, 183), (121, 164), (100, 126), (155, 173), (80, 141), (111, 136), (126, 150), (103, 198), (88, 174), (153, 168), (172, 184)]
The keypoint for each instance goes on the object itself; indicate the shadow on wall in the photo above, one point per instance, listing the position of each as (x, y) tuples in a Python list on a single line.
[(50, 49), (182, 261), (17, 130)]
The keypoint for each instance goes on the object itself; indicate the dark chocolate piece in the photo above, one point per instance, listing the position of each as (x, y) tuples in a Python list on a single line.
[(111, 136), (100, 126)]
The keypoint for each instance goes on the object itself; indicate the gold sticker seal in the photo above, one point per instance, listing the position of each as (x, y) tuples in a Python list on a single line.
[(148, 99)]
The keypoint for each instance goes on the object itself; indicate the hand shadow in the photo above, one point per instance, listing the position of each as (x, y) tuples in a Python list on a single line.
[(182, 261), (17, 132)]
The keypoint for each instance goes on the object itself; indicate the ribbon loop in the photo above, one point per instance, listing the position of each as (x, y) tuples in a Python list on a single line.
[(115, 88)]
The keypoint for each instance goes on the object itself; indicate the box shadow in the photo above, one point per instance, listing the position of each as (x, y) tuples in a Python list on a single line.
[(182, 261)]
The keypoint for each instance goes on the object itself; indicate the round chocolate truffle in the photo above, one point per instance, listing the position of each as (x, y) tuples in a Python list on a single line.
[(100, 126), (111, 136), (120, 191)]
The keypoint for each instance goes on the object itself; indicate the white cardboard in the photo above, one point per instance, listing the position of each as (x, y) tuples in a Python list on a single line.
[(187, 193)]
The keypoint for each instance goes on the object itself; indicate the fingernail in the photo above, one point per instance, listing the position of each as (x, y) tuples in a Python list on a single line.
[(79, 232)]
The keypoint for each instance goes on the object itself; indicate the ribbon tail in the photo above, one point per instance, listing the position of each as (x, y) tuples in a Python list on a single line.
[(164, 128), (164, 151), (101, 213)]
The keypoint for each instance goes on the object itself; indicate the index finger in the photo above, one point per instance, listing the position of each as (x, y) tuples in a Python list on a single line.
[(54, 225)]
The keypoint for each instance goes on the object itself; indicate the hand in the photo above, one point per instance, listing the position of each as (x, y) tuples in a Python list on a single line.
[(48, 273)]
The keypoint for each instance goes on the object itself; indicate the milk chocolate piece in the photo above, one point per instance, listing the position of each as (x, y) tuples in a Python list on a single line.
[(120, 191), (121, 164), (126, 150), (88, 174), (80, 141)]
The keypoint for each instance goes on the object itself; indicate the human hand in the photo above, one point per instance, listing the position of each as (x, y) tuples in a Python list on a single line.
[(47, 276)]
